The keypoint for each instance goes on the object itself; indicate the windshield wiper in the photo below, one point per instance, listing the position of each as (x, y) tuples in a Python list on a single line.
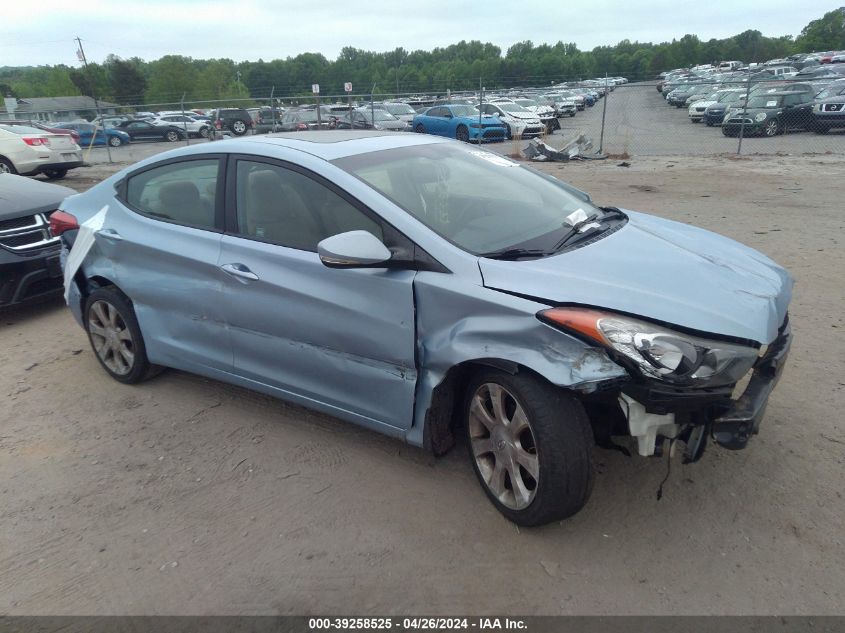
[(575, 230), (514, 253)]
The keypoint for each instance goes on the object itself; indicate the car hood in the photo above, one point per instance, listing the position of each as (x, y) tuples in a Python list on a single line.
[(21, 196), (702, 104), (660, 270)]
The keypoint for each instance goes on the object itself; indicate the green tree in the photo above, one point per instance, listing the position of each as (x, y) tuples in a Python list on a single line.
[(826, 33)]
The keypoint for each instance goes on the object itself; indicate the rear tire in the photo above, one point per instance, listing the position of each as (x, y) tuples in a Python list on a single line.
[(115, 336), (530, 444), (238, 127), (115, 141), (6, 166), (55, 174), (172, 136)]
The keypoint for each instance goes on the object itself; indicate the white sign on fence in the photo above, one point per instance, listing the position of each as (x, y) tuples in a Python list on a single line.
[(315, 88), (348, 86)]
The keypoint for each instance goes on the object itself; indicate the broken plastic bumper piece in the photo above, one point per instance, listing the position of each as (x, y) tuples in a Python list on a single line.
[(733, 428)]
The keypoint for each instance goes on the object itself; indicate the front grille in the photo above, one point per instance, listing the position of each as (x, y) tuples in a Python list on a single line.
[(699, 109), (18, 223), (31, 235), (494, 134), (832, 107)]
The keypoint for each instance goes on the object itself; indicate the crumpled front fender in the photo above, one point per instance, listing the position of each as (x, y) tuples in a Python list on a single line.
[(458, 321)]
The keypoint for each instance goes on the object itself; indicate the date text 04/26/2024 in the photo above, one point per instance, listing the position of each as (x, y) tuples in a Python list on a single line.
[(415, 624)]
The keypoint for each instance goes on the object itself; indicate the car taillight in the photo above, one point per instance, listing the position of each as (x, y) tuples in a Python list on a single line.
[(218, 124), (61, 221), (301, 126), (35, 140)]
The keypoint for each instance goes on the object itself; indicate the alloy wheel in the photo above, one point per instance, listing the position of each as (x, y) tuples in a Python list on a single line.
[(503, 446), (111, 338)]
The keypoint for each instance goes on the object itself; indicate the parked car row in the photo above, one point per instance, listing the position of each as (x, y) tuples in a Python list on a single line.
[(778, 102)]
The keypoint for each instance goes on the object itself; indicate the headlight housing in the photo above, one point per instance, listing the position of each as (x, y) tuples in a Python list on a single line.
[(761, 116), (658, 352)]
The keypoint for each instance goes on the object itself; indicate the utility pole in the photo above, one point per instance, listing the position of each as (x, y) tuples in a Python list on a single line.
[(81, 55)]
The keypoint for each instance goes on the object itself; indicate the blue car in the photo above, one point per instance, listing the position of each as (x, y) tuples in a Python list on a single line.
[(460, 121), (87, 131), (423, 288)]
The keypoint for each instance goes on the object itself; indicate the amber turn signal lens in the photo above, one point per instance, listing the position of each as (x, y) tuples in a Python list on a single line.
[(581, 320)]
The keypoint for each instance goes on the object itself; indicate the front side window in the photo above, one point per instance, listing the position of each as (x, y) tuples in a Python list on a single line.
[(288, 208), (183, 193)]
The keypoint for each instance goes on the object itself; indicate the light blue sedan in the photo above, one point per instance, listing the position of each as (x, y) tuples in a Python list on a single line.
[(427, 289), (460, 121)]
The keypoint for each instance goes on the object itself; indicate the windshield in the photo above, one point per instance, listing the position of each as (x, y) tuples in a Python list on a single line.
[(730, 97), (478, 200), (380, 115), (399, 108), (765, 101), (511, 107), (833, 91), (464, 110), (525, 103)]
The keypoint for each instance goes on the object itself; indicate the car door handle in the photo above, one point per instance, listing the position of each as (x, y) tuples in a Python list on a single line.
[(110, 234), (239, 270)]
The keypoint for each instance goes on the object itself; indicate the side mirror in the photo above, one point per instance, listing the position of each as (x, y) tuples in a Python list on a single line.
[(353, 249)]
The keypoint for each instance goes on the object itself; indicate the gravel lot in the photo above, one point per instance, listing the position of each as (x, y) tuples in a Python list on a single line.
[(187, 496)]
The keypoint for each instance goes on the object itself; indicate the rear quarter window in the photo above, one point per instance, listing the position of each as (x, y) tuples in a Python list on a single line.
[(183, 192)]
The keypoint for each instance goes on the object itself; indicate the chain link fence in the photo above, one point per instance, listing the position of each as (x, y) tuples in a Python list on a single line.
[(632, 119)]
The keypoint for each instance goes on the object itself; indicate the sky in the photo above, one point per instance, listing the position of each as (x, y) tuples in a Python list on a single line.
[(248, 30)]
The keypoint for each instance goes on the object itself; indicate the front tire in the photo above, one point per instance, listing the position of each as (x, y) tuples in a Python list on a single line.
[(530, 444), (115, 336), (772, 128), (462, 133), (419, 129)]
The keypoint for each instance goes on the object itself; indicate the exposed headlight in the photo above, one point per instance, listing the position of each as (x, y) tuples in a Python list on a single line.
[(658, 352), (761, 116)]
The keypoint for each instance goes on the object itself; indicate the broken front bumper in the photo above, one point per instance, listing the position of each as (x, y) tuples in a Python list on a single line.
[(655, 410), (734, 427)]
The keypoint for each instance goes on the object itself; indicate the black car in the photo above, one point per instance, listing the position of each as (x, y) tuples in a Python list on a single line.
[(29, 255), (772, 113), (829, 113), (237, 120), (304, 119), (145, 131)]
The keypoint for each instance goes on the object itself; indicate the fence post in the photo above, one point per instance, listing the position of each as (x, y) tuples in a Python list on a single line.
[(185, 123), (744, 112), (273, 106), (603, 113)]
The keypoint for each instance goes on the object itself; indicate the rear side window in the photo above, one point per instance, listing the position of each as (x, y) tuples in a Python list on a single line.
[(184, 193)]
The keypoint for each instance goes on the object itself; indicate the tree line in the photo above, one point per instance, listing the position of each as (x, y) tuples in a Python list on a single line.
[(461, 66)]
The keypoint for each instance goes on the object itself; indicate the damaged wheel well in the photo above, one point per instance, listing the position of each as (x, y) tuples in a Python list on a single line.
[(443, 419)]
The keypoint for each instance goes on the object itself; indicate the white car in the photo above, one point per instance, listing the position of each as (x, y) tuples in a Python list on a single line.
[(545, 113), (193, 126), (697, 108), (29, 151), (520, 122)]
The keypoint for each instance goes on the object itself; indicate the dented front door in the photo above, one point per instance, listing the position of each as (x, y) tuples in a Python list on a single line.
[(343, 338)]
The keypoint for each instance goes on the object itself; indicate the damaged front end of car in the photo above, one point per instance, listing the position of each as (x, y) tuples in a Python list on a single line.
[(682, 386)]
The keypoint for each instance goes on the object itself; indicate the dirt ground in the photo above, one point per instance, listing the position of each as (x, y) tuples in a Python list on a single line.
[(187, 496)]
